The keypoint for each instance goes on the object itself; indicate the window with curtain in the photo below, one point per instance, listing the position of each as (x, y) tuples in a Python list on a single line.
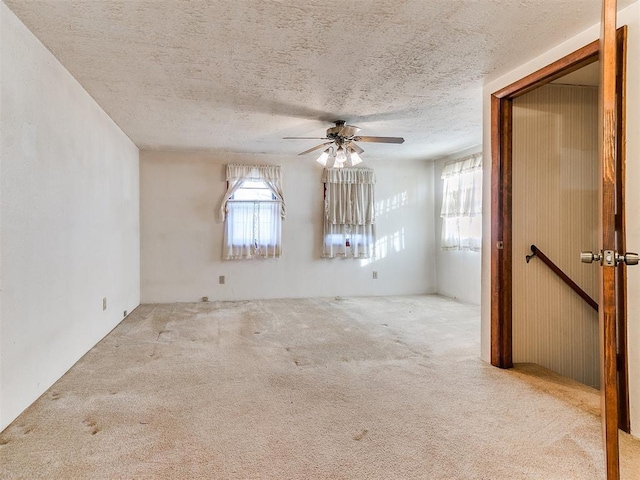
[(462, 204), (349, 213), (253, 209)]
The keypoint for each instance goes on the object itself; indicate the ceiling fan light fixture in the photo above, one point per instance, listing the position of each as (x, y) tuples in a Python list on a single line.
[(354, 158), (331, 161), (343, 151), (341, 157), (322, 159)]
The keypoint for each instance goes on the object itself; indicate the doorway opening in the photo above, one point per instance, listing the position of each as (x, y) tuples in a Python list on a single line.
[(502, 207), (555, 205)]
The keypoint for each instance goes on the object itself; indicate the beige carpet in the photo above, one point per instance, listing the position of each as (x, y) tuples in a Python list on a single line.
[(346, 388)]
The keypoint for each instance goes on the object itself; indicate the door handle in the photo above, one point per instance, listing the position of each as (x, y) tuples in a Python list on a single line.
[(628, 258), (590, 257), (610, 258)]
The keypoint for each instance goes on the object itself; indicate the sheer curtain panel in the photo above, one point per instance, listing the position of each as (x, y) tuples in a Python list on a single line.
[(462, 204), (349, 213), (253, 228)]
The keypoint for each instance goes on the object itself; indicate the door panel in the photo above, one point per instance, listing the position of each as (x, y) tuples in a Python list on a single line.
[(607, 211)]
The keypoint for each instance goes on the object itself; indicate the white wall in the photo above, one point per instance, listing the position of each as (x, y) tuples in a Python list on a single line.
[(458, 272), (181, 235), (69, 230), (631, 17)]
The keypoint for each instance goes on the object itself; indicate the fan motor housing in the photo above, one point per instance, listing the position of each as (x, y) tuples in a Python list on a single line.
[(341, 130), (333, 132)]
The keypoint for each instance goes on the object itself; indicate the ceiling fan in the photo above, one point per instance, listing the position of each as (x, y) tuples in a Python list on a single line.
[(341, 148)]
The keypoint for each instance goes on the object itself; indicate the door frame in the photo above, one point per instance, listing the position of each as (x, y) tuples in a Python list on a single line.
[(501, 206)]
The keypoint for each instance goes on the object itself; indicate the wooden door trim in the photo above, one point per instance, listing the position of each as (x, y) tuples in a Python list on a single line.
[(501, 191), (570, 63)]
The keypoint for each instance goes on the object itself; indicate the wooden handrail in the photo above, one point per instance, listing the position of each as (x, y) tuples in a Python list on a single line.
[(563, 276)]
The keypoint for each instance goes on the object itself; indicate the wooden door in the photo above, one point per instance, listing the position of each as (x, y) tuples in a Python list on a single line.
[(607, 127)]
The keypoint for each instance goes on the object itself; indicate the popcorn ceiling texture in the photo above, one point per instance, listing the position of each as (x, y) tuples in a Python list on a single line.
[(239, 75), (325, 388)]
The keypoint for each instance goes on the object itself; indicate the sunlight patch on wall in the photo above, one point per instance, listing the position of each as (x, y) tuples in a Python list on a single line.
[(393, 203), (393, 243)]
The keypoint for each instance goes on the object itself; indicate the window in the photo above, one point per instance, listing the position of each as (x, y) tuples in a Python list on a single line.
[(253, 209), (253, 190), (349, 206), (462, 205)]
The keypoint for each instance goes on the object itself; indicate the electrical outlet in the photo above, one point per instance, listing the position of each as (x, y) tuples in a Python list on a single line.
[(221, 280), (104, 304), (375, 275)]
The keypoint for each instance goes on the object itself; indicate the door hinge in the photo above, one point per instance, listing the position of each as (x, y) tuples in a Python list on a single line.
[(500, 245)]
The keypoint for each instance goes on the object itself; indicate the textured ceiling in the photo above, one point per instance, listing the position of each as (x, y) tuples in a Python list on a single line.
[(239, 75)]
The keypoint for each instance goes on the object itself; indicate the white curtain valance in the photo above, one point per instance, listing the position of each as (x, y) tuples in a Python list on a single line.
[(474, 162), (269, 174), (348, 175), (253, 172), (349, 196)]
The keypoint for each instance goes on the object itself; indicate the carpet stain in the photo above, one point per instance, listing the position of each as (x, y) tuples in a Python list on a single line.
[(361, 435), (55, 395), (91, 425), (25, 430)]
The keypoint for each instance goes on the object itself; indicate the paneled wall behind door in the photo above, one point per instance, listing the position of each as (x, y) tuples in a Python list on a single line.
[(555, 207)]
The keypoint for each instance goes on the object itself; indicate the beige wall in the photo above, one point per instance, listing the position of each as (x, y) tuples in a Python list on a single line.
[(181, 234), (555, 189), (69, 225), (631, 17)]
